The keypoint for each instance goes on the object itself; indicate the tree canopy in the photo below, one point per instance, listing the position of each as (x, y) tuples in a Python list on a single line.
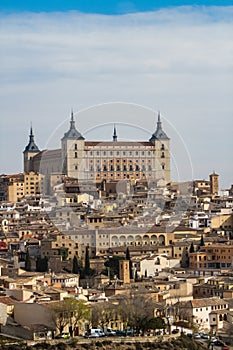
[(69, 312)]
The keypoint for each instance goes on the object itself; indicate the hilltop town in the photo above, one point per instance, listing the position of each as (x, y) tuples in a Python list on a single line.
[(113, 243)]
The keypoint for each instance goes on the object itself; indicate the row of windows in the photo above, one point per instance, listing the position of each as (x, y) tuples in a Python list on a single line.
[(105, 152), (117, 153), (118, 168)]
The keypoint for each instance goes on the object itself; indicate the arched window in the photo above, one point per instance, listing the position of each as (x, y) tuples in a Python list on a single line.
[(162, 155), (162, 147), (75, 154)]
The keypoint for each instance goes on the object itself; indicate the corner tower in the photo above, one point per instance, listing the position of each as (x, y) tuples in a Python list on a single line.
[(161, 143), (72, 145), (30, 151)]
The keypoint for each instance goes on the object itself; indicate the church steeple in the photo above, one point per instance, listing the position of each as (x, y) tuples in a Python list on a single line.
[(31, 146), (73, 133), (159, 134), (114, 136)]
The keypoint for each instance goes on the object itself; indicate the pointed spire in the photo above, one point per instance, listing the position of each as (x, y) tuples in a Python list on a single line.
[(114, 137), (31, 136), (72, 133), (31, 146), (72, 121), (159, 123), (159, 134)]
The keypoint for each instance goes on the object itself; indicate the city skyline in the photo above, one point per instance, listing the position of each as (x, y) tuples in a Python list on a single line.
[(176, 60)]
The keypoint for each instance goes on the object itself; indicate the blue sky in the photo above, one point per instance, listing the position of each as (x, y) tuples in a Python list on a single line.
[(101, 6), (174, 59)]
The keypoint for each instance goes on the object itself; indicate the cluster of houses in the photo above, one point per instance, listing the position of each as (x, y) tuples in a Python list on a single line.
[(179, 238)]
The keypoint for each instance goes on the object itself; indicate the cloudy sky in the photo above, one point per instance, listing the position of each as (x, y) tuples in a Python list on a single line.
[(178, 60)]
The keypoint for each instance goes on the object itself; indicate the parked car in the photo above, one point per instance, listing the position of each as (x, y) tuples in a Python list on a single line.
[(205, 336), (64, 335), (190, 335), (121, 333), (94, 333), (197, 336), (175, 331), (218, 343), (109, 332)]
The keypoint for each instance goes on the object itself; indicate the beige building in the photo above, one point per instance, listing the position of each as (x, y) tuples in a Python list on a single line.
[(97, 161), (17, 186), (212, 258)]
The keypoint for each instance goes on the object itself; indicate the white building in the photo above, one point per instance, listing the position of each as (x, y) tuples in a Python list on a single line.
[(155, 263)]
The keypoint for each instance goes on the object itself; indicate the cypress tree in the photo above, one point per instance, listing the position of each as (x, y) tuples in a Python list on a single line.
[(127, 256), (27, 262), (191, 249), (185, 258), (75, 268), (87, 262), (202, 243)]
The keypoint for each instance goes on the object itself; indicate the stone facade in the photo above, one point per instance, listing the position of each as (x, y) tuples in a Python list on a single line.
[(96, 161)]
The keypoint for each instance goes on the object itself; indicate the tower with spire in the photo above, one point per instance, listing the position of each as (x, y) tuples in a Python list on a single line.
[(161, 143), (114, 136), (72, 145), (29, 152)]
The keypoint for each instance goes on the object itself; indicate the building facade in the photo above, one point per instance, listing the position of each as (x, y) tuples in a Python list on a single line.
[(96, 161)]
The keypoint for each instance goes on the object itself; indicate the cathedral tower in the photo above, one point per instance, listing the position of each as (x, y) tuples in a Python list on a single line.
[(30, 151)]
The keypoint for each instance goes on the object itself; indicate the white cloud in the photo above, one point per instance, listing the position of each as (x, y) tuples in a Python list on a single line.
[(177, 60)]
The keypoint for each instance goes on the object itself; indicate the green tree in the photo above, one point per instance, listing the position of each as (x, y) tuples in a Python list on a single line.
[(79, 312), (136, 279), (156, 323), (191, 249), (69, 312), (27, 261), (87, 269), (42, 264), (75, 268), (64, 252), (113, 264), (127, 256), (202, 243), (184, 258)]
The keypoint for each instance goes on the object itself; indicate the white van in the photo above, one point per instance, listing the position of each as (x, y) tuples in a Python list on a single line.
[(95, 333)]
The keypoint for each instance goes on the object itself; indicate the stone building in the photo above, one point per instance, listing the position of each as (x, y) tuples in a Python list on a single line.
[(95, 161)]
